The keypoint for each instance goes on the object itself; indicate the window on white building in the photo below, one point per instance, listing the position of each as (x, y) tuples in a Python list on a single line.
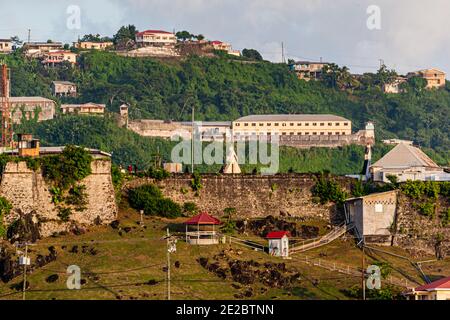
[(378, 208)]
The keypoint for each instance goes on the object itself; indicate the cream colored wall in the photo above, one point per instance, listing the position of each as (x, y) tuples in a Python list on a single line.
[(293, 127), (443, 295), (158, 38), (5, 46)]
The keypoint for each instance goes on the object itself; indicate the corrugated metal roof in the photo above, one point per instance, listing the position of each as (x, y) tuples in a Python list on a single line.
[(29, 99), (203, 218), (443, 283), (404, 155), (292, 117), (63, 82), (277, 234)]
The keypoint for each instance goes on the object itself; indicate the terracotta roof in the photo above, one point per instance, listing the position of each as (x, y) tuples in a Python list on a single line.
[(405, 155), (203, 218), (277, 234), (292, 117), (216, 42), (152, 32), (443, 283)]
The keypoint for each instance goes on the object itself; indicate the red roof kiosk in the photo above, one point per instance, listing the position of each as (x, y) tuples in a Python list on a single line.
[(204, 232), (279, 243)]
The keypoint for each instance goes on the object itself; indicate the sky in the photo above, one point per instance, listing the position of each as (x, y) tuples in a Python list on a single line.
[(404, 34)]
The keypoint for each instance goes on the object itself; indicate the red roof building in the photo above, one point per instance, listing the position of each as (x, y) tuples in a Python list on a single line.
[(277, 234), (155, 38), (203, 218), (152, 32), (204, 232), (436, 290)]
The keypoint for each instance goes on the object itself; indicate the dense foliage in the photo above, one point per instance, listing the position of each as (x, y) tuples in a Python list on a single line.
[(5, 208), (328, 190), (71, 166), (150, 199), (129, 148), (225, 89)]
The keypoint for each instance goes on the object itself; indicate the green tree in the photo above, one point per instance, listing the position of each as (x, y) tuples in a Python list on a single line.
[(252, 54), (184, 35)]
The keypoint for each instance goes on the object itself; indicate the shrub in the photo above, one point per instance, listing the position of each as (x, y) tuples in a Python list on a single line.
[(57, 195), (117, 177), (196, 182), (64, 213), (71, 166), (150, 199), (426, 208), (359, 189), (77, 196), (168, 208), (445, 217), (157, 173), (228, 227), (5, 209), (328, 190), (190, 208), (385, 268)]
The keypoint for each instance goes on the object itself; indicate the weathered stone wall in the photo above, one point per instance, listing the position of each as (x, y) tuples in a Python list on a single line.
[(251, 195), (29, 192), (417, 233)]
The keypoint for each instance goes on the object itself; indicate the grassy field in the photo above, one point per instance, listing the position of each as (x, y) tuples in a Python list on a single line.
[(130, 265)]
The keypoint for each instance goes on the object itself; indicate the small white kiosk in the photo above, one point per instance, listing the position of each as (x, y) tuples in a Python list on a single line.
[(278, 243)]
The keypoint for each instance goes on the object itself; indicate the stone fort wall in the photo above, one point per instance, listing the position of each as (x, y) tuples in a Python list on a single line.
[(28, 192)]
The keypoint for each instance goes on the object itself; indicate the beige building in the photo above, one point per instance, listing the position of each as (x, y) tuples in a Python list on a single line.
[(37, 49), (308, 70), (436, 290), (29, 108), (435, 78), (93, 45), (407, 162), (394, 86), (372, 216), (223, 46), (5, 46), (155, 38), (291, 124), (53, 58), (64, 89), (87, 108)]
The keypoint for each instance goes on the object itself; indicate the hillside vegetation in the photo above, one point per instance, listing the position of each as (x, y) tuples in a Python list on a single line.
[(128, 147), (225, 89)]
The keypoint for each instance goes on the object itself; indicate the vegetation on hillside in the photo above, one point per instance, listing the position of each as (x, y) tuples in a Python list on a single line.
[(150, 199), (128, 147), (224, 89)]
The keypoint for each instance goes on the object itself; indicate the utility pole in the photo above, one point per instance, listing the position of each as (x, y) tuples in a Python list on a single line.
[(192, 140), (24, 260), (171, 247), (29, 35), (168, 264), (283, 60), (363, 278)]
